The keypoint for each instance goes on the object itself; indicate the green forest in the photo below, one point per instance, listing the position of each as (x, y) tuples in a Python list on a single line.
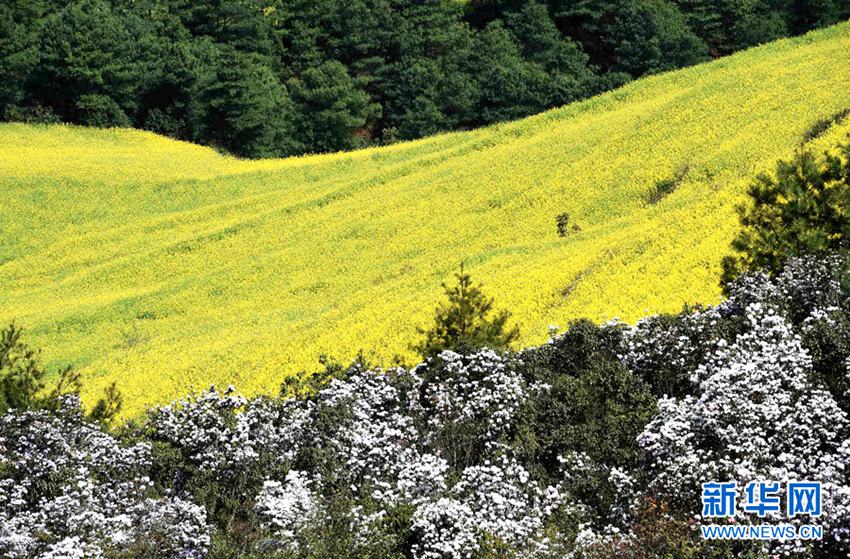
[(263, 78)]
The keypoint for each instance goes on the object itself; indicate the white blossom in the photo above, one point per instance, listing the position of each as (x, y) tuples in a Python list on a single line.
[(756, 416), (72, 491), (286, 508)]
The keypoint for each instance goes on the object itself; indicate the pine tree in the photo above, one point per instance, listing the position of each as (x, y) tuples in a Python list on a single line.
[(21, 378), (463, 323), (802, 209), (23, 381), (94, 62), (246, 109), (331, 107), (18, 47)]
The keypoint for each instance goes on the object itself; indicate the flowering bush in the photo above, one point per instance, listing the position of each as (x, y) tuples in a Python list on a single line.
[(756, 415), (287, 507), (446, 528), (592, 445), (203, 427), (506, 502), (758, 410), (224, 434), (70, 490), (377, 438), (470, 403)]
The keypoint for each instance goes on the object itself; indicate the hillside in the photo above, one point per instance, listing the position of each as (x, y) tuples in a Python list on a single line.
[(167, 267)]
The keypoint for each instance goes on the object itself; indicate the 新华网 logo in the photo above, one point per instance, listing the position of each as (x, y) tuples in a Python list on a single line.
[(722, 500)]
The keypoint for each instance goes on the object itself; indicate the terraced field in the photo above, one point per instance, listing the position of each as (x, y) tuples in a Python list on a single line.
[(168, 267)]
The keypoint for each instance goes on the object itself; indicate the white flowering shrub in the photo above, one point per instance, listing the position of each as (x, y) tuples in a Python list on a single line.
[(664, 349), (806, 285), (201, 425), (593, 445), (469, 404), (223, 433), (756, 415), (616, 489), (287, 508), (422, 479), (445, 528), (483, 387), (497, 502), (67, 489), (387, 443), (506, 503), (378, 438)]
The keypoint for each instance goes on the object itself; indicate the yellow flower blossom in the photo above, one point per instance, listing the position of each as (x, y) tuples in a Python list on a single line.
[(166, 266)]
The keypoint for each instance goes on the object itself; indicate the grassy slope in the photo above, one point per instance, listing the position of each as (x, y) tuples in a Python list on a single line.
[(167, 267)]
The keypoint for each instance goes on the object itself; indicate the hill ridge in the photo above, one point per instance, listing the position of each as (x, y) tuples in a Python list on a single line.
[(167, 266)]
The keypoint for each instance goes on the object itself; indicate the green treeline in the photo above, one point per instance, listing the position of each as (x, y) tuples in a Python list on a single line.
[(277, 77)]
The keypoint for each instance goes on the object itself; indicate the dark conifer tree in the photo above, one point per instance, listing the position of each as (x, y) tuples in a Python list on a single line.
[(466, 321)]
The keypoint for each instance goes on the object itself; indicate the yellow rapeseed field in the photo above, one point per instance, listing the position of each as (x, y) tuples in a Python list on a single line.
[(167, 267)]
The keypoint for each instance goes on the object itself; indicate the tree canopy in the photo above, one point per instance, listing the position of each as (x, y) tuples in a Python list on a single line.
[(466, 321), (278, 77), (804, 208)]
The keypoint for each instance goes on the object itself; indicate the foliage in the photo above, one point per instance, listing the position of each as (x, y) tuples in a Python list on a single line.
[(245, 107), (22, 378), (23, 381), (332, 107), (18, 50), (36, 114), (588, 420), (752, 384), (727, 24), (595, 405), (463, 323), (559, 450), (92, 64), (803, 209), (562, 221), (358, 73), (365, 447), (360, 241), (101, 111), (652, 36), (67, 489), (108, 407)]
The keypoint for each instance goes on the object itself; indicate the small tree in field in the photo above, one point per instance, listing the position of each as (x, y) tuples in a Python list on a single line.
[(463, 323), (803, 209), (23, 381)]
